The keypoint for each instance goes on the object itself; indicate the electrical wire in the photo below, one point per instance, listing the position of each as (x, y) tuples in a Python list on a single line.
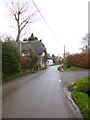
[(46, 22)]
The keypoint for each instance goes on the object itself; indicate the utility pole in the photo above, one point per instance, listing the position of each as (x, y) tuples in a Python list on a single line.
[(64, 51), (64, 57)]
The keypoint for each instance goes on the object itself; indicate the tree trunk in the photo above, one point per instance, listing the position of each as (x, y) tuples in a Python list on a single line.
[(18, 27)]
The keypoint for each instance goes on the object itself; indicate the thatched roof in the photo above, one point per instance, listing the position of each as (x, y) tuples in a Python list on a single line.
[(34, 46)]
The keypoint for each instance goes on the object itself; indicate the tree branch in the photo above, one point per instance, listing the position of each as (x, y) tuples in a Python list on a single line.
[(23, 9), (24, 25), (28, 18)]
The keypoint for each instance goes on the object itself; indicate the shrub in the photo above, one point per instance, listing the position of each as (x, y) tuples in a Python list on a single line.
[(10, 58), (28, 62), (25, 62)]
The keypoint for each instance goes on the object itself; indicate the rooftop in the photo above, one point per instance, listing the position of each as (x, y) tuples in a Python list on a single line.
[(36, 47)]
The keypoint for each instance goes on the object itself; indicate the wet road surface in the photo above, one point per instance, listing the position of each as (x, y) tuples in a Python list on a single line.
[(39, 95)]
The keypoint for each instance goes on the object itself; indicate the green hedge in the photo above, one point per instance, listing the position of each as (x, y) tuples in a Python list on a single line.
[(10, 58)]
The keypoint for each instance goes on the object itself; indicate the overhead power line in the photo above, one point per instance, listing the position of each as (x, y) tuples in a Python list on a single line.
[(46, 22)]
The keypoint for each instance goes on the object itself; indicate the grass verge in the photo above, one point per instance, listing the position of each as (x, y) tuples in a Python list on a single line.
[(70, 69), (74, 68), (83, 84), (80, 96), (82, 100), (8, 78)]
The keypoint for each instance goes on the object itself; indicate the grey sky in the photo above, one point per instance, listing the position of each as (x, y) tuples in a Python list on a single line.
[(67, 19)]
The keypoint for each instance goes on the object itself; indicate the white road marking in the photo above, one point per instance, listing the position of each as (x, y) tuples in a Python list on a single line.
[(59, 80)]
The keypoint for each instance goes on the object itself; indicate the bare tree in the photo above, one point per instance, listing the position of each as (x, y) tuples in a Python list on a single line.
[(22, 15), (86, 40)]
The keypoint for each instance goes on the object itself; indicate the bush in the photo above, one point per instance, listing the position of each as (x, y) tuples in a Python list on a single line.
[(78, 60), (28, 62), (25, 62), (10, 58)]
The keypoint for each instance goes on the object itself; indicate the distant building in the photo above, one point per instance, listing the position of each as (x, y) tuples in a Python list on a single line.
[(50, 62)]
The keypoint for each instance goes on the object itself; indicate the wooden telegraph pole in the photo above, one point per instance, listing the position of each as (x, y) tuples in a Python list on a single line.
[(64, 51)]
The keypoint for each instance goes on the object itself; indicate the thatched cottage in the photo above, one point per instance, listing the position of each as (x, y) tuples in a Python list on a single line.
[(36, 48)]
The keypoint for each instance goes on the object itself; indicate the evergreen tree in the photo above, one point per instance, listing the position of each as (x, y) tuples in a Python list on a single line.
[(32, 38)]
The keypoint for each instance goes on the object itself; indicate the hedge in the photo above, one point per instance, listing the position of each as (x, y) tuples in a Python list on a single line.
[(78, 60)]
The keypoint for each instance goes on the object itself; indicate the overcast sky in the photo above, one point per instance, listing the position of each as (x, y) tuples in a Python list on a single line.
[(68, 19)]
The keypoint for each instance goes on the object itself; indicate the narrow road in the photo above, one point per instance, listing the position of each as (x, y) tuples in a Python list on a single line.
[(39, 95)]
